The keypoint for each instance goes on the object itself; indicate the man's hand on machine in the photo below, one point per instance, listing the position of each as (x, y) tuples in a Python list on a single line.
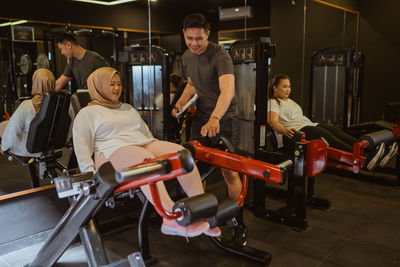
[(211, 128)]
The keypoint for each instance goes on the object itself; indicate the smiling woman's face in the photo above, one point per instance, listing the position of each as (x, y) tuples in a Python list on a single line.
[(115, 88)]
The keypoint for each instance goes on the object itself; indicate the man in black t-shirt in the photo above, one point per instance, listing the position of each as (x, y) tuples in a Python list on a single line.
[(81, 63), (210, 74)]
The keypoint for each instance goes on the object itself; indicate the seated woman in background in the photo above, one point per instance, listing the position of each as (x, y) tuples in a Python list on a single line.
[(115, 132), (285, 115), (14, 132)]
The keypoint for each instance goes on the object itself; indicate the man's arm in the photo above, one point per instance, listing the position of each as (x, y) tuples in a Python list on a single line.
[(227, 88), (188, 92), (62, 81)]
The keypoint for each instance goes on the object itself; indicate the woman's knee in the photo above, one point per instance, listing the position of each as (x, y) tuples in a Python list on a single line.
[(128, 156), (159, 147), (3, 125)]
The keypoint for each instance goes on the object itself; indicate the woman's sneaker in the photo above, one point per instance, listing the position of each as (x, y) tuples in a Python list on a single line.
[(393, 149), (239, 233), (375, 156), (171, 227)]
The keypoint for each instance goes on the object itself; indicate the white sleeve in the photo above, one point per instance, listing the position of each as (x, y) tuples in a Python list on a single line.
[(83, 139), (274, 106), (14, 129), (146, 130), (143, 127)]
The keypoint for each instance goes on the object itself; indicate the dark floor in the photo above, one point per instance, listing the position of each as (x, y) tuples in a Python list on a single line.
[(361, 229)]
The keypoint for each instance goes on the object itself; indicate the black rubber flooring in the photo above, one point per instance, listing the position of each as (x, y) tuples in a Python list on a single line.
[(361, 229)]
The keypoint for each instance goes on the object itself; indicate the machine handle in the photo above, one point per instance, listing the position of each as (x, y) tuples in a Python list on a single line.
[(161, 167), (285, 165)]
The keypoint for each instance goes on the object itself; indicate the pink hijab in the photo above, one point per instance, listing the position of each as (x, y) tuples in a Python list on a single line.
[(99, 87), (43, 82)]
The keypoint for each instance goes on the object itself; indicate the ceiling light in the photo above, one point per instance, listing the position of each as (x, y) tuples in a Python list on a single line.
[(13, 23), (111, 3)]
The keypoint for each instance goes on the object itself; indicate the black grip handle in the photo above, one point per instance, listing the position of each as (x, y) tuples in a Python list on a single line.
[(162, 166), (375, 138), (187, 161)]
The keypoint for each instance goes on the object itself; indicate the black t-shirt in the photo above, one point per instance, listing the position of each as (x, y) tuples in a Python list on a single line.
[(81, 69), (204, 71)]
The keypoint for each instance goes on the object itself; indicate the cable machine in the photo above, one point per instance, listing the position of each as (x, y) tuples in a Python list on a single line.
[(148, 85)]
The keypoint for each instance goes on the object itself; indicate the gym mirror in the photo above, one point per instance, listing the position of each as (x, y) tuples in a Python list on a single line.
[(28, 45)]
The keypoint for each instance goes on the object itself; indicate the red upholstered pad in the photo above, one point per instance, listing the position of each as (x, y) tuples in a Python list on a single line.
[(316, 157)]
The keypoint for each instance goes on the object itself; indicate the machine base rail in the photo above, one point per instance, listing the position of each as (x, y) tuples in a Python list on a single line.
[(249, 253), (283, 215)]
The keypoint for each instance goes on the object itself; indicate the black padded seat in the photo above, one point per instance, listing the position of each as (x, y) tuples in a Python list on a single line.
[(79, 100), (49, 129)]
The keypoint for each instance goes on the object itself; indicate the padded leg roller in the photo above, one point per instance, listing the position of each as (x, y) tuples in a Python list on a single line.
[(374, 139), (195, 208), (227, 209)]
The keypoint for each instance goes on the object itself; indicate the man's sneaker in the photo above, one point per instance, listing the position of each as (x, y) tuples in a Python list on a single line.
[(393, 149), (171, 227), (376, 155), (239, 234), (215, 231)]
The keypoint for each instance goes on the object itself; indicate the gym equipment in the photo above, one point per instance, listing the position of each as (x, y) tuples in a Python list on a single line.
[(95, 192), (42, 61), (336, 86), (25, 64), (28, 215), (21, 54), (195, 208), (47, 135), (102, 41), (353, 161), (148, 85), (250, 59), (247, 167)]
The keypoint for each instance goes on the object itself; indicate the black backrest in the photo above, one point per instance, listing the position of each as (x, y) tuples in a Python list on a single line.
[(392, 112), (79, 100), (49, 129)]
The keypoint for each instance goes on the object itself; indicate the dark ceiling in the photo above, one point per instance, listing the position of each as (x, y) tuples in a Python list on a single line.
[(166, 14), (159, 3)]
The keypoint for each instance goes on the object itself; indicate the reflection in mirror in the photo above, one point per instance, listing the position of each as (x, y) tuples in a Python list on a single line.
[(325, 26), (20, 57)]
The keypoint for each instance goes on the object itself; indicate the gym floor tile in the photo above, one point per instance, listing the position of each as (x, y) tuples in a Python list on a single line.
[(305, 242), (359, 253)]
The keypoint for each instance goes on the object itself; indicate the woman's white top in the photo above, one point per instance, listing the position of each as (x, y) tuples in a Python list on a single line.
[(290, 114), (16, 133), (100, 129)]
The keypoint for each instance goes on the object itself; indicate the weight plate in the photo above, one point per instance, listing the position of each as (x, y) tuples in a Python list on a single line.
[(42, 61), (25, 64)]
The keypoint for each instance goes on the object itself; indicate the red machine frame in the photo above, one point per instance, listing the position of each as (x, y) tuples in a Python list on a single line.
[(246, 166), (338, 158)]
